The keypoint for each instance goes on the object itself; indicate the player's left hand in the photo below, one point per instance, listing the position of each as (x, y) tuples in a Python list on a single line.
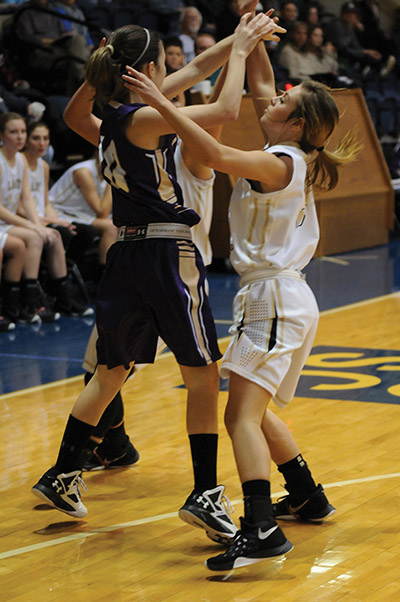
[(138, 82)]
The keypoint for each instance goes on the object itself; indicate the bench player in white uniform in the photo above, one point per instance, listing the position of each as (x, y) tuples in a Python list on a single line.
[(37, 142), (82, 196), (274, 235), (24, 303)]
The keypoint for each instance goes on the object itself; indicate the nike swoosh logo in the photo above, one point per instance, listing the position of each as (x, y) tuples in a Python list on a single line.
[(294, 510), (265, 534)]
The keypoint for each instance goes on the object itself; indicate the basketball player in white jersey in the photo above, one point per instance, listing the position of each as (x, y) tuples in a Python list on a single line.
[(274, 235)]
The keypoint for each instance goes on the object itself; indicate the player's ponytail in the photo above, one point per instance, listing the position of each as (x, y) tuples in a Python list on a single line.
[(320, 114), (129, 45)]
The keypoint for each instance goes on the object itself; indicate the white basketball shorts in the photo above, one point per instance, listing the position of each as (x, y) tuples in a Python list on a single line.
[(275, 322)]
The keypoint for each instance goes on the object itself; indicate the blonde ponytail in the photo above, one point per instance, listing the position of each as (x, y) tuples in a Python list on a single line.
[(323, 170), (320, 114)]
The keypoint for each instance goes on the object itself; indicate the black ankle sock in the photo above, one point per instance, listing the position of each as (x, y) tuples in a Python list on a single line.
[(257, 501), (30, 292), (204, 458), (75, 439), (299, 481)]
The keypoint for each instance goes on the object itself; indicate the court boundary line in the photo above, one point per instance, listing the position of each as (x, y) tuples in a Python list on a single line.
[(159, 517), (168, 354)]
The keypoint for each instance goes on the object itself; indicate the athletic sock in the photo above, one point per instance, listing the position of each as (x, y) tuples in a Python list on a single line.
[(257, 501), (299, 481), (204, 458), (31, 293), (74, 442)]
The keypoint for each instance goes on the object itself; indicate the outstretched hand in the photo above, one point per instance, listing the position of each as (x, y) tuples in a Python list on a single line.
[(138, 82), (252, 28)]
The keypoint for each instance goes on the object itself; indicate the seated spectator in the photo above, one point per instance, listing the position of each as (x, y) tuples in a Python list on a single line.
[(174, 60), (10, 102), (203, 42), (161, 16), (288, 15), (70, 9), (292, 53), (318, 62), (20, 97), (37, 143), (190, 23), (24, 302), (174, 57), (52, 54), (342, 32), (82, 196), (371, 35), (311, 13)]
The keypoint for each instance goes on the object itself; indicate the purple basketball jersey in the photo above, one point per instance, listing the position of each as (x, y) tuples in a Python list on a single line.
[(144, 185)]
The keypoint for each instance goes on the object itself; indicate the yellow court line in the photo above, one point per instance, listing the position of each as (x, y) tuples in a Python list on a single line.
[(158, 517), (168, 354)]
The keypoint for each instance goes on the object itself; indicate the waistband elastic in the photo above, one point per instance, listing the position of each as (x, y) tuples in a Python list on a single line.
[(255, 275), (158, 230)]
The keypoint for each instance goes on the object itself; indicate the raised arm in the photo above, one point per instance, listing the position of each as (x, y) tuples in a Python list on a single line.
[(256, 165), (79, 117), (226, 108), (199, 68), (194, 165)]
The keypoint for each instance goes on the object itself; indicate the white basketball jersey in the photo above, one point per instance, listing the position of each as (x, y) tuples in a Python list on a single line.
[(275, 230), (198, 195), (11, 182), (66, 197), (37, 186)]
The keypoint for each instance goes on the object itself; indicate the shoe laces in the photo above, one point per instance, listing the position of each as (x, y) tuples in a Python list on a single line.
[(238, 543), (226, 505), (74, 486), (77, 483)]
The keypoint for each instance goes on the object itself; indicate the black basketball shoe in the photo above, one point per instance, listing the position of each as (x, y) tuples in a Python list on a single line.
[(105, 457), (252, 544), (210, 510), (315, 508), (62, 491)]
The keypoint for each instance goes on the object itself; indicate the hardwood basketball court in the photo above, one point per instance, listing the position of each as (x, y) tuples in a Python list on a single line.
[(133, 547)]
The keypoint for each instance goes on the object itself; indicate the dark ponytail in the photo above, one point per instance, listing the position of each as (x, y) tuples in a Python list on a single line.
[(129, 45)]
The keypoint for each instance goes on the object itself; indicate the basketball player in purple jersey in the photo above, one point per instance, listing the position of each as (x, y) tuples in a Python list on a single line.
[(153, 284)]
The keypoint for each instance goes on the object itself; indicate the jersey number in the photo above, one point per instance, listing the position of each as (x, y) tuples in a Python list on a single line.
[(113, 172)]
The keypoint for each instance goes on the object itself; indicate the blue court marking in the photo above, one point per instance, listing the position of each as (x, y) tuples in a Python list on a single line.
[(352, 374)]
